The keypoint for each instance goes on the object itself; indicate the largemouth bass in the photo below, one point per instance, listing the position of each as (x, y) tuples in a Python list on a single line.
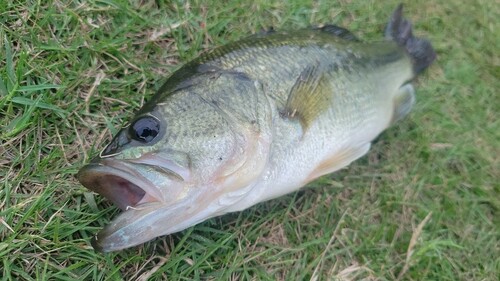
[(251, 121)]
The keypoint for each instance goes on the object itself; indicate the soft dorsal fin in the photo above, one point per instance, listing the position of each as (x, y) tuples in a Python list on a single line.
[(338, 31), (309, 96)]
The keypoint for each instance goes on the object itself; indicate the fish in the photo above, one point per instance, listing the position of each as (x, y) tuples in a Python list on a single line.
[(250, 121)]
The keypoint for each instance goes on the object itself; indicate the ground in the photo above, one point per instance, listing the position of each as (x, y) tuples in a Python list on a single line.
[(422, 205)]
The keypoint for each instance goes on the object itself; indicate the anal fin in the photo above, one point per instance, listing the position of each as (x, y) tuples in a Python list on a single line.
[(403, 102)]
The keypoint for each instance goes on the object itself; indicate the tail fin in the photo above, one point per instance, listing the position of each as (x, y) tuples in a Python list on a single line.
[(420, 50)]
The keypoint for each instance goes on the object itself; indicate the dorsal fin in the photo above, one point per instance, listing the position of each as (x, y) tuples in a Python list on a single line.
[(309, 96), (338, 31), (267, 31)]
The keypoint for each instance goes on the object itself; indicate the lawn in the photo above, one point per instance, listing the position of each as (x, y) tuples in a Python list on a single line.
[(424, 204)]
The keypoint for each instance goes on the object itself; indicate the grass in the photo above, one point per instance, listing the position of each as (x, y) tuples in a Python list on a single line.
[(422, 205)]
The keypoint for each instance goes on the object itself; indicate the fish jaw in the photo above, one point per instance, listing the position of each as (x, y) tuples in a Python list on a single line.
[(151, 218), (147, 207), (159, 198), (138, 225), (123, 186), (141, 224), (141, 188)]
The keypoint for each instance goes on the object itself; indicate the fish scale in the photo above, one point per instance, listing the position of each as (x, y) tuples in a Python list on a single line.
[(251, 121)]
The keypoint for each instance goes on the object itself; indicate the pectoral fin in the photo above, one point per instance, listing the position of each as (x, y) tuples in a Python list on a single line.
[(309, 96)]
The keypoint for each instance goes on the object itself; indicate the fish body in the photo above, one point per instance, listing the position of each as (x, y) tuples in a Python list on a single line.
[(251, 121)]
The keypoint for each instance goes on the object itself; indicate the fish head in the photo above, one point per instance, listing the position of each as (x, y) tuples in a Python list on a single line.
[(174, 165)]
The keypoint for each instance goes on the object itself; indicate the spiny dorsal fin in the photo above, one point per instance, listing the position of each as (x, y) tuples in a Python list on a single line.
[(309, 96), (338, 31), (267, 31)]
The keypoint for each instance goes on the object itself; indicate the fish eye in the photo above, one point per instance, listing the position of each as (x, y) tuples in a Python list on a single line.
[(145, 129)]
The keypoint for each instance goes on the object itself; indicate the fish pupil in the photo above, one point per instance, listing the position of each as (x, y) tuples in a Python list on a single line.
[(145, 129)]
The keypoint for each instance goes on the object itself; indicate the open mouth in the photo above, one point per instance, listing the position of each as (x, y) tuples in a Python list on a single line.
[(118, 183), (158, 197)]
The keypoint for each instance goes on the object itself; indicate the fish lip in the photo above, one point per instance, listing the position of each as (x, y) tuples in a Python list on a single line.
[(125, 182), (113, 237), (118, 182)]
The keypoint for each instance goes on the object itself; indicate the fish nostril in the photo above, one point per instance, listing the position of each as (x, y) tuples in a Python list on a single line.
[(116, 145)]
